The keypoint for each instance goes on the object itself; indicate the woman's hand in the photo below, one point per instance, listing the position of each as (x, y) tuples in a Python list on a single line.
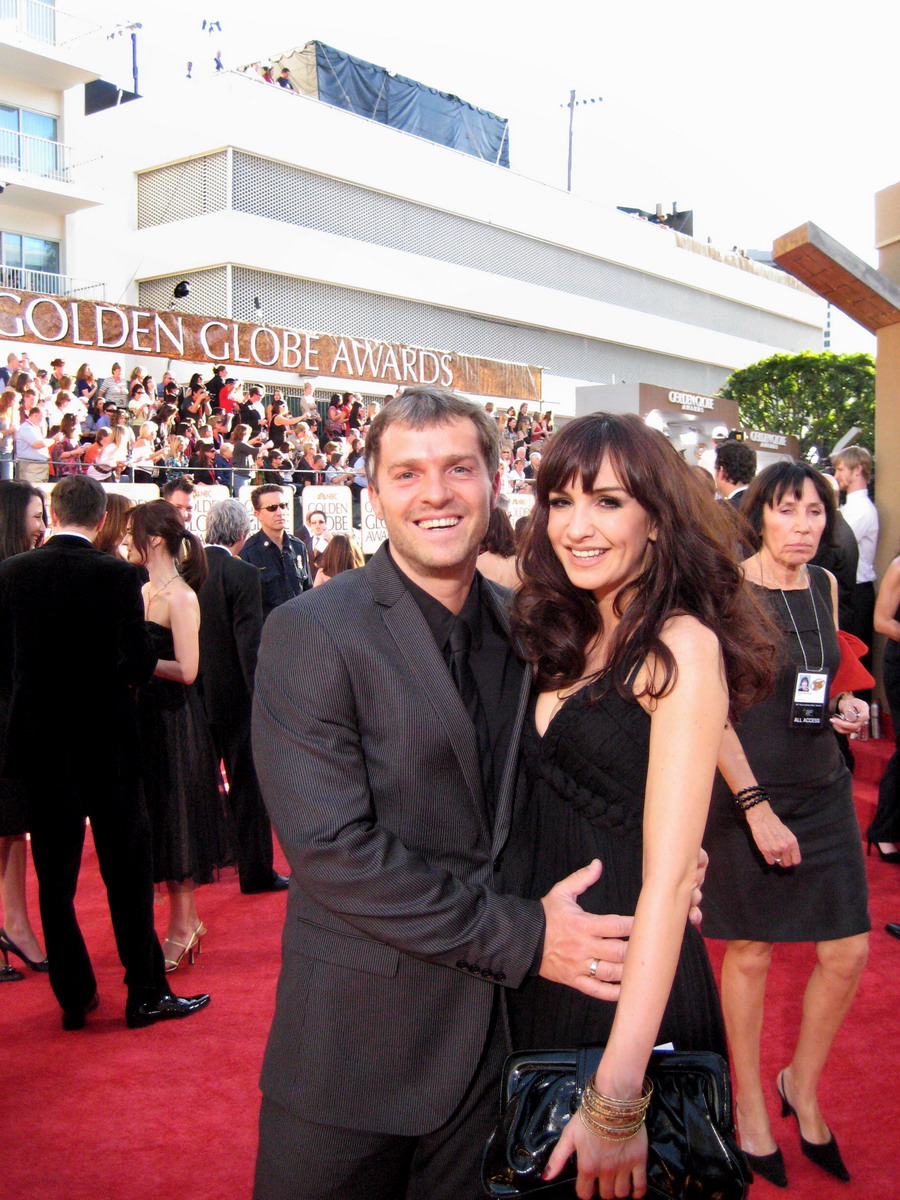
[(851, 716), (774, 840), (620, 1168)]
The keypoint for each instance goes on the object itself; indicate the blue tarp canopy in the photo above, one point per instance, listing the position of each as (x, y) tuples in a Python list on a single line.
[(370, 91)]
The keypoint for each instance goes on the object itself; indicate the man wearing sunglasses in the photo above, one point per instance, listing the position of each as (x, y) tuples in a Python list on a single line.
[(281, 558)]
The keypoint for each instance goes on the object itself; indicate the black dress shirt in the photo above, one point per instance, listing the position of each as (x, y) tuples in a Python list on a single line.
[(497, 670)]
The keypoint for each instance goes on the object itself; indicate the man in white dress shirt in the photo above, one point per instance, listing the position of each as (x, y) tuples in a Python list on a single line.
[(853, 470)]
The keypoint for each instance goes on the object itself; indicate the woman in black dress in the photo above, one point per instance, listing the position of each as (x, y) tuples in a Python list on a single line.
[(644, 637), (23, 522), (788, 867), (180, 768)]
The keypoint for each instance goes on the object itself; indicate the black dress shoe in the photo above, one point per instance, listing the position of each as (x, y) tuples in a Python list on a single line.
[(769, 1166), (73, 1018), (166, 1008), (278, 883), (893, 929), (9, 974)]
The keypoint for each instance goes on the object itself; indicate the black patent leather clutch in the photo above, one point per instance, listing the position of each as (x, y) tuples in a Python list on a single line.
[(693, 1154)]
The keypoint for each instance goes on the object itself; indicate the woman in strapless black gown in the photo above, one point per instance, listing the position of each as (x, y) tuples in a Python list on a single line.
[(644, 638), (180, 771)]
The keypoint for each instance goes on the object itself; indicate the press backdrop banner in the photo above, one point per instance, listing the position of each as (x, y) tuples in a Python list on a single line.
[(335, 502)]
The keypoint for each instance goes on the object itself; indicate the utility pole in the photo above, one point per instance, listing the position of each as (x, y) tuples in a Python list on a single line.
[(571, 129), (571, 107)]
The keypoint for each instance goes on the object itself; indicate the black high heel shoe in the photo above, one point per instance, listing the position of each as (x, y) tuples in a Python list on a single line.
[(891, 856), (9, 974), (8, 946), (769, 1166), (825, 1155)]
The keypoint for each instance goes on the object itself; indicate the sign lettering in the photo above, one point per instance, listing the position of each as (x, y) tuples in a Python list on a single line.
[(32, 317)]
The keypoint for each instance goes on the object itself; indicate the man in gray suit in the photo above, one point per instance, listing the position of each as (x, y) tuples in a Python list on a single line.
[(386, 724)]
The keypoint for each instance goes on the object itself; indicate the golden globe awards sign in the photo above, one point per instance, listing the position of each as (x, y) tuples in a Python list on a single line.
[(374, 531), (84, 324)]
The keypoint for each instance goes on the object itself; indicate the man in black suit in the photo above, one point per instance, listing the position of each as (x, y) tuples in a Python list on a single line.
[(387, 754), (231, 620), (57, 587), (735, 469)]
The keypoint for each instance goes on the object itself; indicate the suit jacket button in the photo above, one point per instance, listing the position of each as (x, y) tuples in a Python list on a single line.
[(462, 964), (487, 974), (500, 976)]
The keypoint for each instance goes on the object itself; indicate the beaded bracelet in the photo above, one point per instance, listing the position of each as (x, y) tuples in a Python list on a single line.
[(749, 797)]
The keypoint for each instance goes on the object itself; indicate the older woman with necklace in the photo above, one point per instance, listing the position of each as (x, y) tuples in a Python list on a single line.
[(786, 859)]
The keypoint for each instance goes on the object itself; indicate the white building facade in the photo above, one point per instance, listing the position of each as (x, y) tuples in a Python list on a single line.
[(48, 168), (280, 210)]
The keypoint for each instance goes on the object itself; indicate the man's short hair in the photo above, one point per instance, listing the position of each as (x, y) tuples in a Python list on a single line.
[(854, 456), (254, 391), (737, 460), (423, 406), (183, 483), (227, 523), (263, 490), (316, 512), (78, 500)]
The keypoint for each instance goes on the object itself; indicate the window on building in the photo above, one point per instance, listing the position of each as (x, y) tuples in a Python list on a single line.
[(29, 263), (28, 141)]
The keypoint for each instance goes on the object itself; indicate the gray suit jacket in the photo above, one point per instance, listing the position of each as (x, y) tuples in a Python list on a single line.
[(395, 938)]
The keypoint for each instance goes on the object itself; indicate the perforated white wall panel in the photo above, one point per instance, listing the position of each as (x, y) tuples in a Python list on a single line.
[(303, 304), (185, 189), (296, 197), (207, 298)]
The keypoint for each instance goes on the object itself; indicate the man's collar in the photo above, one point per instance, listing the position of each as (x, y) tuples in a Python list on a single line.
[(76, 533)]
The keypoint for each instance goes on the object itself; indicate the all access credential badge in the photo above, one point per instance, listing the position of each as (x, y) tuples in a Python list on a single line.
[(810, 706)]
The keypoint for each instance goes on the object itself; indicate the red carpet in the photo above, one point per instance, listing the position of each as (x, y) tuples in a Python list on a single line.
[(115, 1114)]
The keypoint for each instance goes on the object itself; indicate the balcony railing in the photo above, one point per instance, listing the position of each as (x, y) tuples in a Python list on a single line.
[(49, 283), (43, 23), (29, 155)]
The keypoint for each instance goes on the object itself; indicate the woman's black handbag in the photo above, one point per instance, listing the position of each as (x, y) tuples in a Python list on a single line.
[(693, 1153)]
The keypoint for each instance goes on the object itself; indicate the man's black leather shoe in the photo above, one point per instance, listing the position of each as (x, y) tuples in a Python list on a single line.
[(278, 883), (166, 1008), (893, 929), (73, 1018)]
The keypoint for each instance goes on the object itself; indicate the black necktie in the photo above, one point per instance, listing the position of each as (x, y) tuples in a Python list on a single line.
[(458, 647)]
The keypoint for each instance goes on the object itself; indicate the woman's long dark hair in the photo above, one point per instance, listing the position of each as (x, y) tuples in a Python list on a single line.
[(691, 569), (15, 496), (112, 534), (161, 519), (341, 554), (499, 538)]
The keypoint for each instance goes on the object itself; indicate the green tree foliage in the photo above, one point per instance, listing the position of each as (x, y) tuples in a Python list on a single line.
[(815, 397)]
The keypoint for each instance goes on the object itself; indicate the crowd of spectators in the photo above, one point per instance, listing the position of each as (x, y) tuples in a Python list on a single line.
[(219, 431)]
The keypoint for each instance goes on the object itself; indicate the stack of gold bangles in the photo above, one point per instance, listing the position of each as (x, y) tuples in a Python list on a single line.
[(614, 1120)]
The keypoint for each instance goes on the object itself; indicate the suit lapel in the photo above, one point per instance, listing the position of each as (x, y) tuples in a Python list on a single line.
[(415, 644)]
